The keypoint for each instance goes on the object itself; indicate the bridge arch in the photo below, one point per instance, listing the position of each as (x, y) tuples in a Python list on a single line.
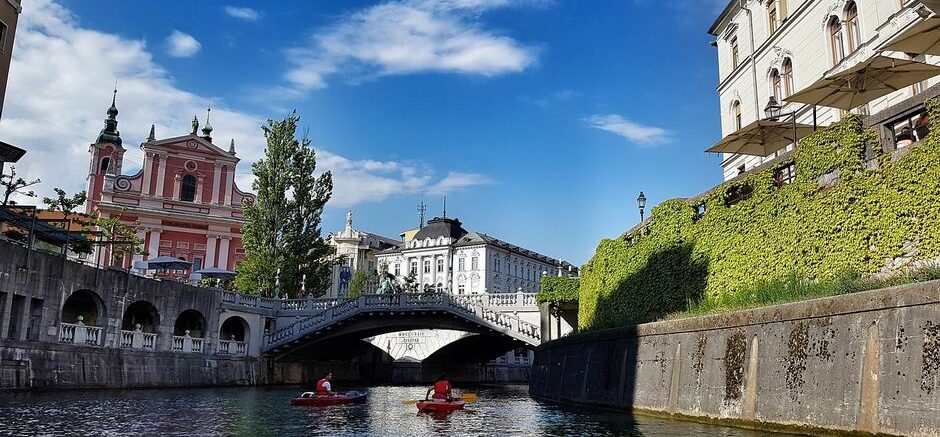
[(85, 306), (477, 349), (142, 313)]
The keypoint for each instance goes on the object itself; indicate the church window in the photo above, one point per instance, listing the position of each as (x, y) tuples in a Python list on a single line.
[(188, 188), (105, 164)]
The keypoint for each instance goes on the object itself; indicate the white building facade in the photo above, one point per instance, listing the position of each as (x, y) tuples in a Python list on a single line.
[(444, 256), (794, 44)]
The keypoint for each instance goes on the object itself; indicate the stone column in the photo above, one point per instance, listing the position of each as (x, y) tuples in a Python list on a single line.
[(421, 273), (448, 283), (200, 183), (148, 169), (6, 314), (154, 248), (210, 250), (161, 174), (229, 177), (24, 319), (176, 186), (216, 178), (223, 253)]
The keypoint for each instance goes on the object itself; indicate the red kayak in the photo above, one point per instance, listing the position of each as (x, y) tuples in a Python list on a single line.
[(318, 401), (440, 406)]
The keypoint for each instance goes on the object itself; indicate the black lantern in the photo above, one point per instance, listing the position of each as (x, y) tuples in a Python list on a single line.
[(641, 202), (773, 108)]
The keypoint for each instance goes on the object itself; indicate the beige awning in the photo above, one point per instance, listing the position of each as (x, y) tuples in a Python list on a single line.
[(762, 138), (921, 38), (864, 82)]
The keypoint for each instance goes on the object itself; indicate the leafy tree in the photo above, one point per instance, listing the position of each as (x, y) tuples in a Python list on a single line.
[(411, 283), (115, 229), (63, 203), (359, 283), (282, 226), (14, 185)]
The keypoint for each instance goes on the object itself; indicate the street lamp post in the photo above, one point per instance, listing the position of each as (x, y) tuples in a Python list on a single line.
[(773, 108), (641, 202)]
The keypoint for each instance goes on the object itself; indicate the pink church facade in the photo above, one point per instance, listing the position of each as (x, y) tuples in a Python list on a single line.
[(183, 202)]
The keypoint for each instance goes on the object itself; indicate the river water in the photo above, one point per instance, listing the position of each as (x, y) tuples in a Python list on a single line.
[(255, 412)]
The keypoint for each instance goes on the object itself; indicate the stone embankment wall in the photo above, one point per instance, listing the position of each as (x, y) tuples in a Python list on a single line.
[(39, 366), (866, 362)]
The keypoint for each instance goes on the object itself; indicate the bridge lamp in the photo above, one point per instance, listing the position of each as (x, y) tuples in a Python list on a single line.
[(641, 202)]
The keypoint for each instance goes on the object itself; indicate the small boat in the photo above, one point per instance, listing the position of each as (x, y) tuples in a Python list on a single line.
[(439, 406), (311, 399)]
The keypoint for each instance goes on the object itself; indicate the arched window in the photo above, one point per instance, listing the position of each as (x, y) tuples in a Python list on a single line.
[(776, 84), (736, 115), (188, 188), (851, 26), (105, 164), (835, 40), (787, 77)]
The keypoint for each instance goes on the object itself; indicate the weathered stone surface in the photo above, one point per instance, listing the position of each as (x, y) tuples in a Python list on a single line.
[(862, 362)]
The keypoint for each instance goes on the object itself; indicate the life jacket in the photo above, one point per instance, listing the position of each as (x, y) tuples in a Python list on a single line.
[(321, 390), (441, 390)]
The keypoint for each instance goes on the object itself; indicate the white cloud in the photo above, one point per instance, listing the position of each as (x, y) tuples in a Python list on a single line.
[(60, 88), (247, 14), (182, 45), (635, 132), (406, 37), (455, 181)]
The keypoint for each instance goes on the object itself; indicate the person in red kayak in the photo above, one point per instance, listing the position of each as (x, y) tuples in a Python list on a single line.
[(323, 385), (441, 390)]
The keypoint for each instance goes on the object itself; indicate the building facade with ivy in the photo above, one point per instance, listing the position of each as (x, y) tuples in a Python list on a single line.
[(794, 43), (182, 200)]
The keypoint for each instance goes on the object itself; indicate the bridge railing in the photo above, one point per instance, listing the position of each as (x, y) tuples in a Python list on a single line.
[(476, 308)]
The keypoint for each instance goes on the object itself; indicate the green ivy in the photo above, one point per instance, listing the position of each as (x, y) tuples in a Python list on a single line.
[(875, 212), (556, 289)]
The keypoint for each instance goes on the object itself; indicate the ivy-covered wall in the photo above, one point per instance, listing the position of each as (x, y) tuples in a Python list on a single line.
[(876, 212), (557, 289)]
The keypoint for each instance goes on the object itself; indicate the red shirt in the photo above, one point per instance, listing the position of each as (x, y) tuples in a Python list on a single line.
[(441, 390), (323, 387)]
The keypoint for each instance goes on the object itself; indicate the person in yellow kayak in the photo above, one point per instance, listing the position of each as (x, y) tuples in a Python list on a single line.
[(441, 390), (323, 385)]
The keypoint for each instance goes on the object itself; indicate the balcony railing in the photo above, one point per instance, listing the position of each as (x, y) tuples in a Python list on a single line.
[(233, 347), (138, 339), (187, 344), (80, 334)]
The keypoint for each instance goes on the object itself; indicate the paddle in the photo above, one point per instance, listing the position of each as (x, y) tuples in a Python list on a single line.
[(466, 397)]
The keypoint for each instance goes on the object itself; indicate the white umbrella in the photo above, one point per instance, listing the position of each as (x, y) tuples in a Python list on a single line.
[(864, 82), (921, 38), (762, 138)]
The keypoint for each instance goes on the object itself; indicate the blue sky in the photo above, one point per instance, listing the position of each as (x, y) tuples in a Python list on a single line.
[(540, 120)]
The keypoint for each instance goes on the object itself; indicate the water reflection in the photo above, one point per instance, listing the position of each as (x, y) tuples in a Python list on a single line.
[(254, 412)]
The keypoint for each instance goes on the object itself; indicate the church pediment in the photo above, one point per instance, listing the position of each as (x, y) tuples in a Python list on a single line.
[(189, 144)]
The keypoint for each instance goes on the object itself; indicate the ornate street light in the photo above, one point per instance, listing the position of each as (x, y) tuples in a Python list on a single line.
[(641, 202), (773, 108)]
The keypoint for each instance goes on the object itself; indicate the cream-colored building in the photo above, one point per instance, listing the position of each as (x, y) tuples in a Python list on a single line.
[(794, 44), (355, 250)]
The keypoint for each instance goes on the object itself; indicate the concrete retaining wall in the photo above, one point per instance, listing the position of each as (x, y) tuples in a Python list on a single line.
[(867, 362), (32, 365)]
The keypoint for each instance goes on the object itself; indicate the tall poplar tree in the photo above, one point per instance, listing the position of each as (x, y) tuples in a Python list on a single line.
[(282, 233)]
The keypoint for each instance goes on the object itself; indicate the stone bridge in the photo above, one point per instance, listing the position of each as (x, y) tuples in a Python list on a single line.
[(371, 314)]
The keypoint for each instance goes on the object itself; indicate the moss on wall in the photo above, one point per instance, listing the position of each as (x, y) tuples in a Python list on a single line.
[(865, 219)]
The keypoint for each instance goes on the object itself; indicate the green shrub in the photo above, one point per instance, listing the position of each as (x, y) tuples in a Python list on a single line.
[(557, 289), (761, 249)]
